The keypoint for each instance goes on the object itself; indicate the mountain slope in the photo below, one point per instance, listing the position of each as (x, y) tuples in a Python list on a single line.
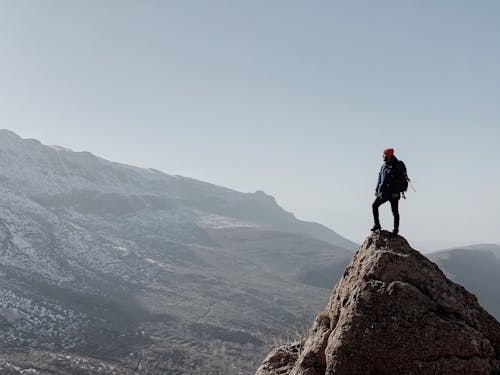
[(146, 271), (477, 267), (55, 176)]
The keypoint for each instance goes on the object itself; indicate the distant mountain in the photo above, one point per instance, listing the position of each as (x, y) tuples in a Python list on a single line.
[(477, 267), (494, 248), (55, 176), (146, 271)]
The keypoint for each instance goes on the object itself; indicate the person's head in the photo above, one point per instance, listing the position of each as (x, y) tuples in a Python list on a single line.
[(388, 152)]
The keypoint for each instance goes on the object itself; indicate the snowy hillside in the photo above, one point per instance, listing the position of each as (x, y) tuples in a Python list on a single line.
[(146, 270)]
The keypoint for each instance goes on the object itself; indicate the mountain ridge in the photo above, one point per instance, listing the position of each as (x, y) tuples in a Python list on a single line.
[(145, 270), (129, 179)]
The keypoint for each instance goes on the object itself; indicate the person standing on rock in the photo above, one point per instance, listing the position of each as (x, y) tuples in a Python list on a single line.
[(389, 187)]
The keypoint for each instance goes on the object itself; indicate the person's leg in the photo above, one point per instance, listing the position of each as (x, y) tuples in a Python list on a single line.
[(395, 212), (376, 204)]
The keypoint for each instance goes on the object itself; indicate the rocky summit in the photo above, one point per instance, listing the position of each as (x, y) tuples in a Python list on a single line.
[(394, 312)]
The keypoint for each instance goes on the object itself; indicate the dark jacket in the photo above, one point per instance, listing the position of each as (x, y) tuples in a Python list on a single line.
[(389, 179)]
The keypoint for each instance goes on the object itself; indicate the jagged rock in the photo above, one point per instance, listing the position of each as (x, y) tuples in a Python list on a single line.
[(282, 358), (395, 312)]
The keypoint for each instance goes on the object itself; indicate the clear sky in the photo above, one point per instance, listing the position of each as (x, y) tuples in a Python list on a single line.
[(296, 98)]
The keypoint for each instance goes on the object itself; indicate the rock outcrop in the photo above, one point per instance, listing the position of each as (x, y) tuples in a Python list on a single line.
[(394, 312)]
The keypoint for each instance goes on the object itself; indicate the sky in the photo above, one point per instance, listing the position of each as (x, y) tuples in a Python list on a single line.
[(295, 98)]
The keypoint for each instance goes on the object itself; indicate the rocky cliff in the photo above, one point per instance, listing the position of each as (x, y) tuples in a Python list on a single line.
[(394, 312)]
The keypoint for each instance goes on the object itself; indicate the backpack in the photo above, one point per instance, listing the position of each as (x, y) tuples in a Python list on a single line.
[(403, 175)]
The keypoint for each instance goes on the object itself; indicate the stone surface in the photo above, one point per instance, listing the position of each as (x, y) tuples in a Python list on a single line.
[(395, 312)]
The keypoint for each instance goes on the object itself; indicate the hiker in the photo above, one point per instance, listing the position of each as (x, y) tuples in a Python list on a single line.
[(389, 186)]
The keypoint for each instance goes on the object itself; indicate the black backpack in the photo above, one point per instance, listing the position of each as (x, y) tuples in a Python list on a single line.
[(399, 173), (403, 175)]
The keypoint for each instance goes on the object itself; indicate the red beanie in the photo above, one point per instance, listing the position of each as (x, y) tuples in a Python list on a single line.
[(389, 151)]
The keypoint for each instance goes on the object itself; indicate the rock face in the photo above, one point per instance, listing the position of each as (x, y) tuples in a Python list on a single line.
[(394, 312)]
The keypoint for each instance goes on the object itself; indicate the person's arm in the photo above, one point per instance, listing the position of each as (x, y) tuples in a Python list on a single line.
[(378, 181)]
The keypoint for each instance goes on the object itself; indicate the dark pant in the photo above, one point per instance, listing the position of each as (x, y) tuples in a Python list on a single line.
[(394, 206)]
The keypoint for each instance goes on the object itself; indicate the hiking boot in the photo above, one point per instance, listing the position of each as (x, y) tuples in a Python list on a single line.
[(376, 227), (394, 232)]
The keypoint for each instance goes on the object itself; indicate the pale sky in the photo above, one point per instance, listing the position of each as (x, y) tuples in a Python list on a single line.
[(296, 98)]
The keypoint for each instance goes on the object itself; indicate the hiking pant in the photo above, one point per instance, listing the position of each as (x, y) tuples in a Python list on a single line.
[(394, 207)]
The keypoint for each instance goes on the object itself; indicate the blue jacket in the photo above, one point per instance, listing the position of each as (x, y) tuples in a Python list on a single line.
[(389, 179)]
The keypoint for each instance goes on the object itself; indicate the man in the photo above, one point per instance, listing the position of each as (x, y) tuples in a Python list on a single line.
[(388, 188)]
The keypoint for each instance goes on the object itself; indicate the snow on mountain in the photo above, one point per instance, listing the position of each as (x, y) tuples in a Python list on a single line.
[(116, 262)]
